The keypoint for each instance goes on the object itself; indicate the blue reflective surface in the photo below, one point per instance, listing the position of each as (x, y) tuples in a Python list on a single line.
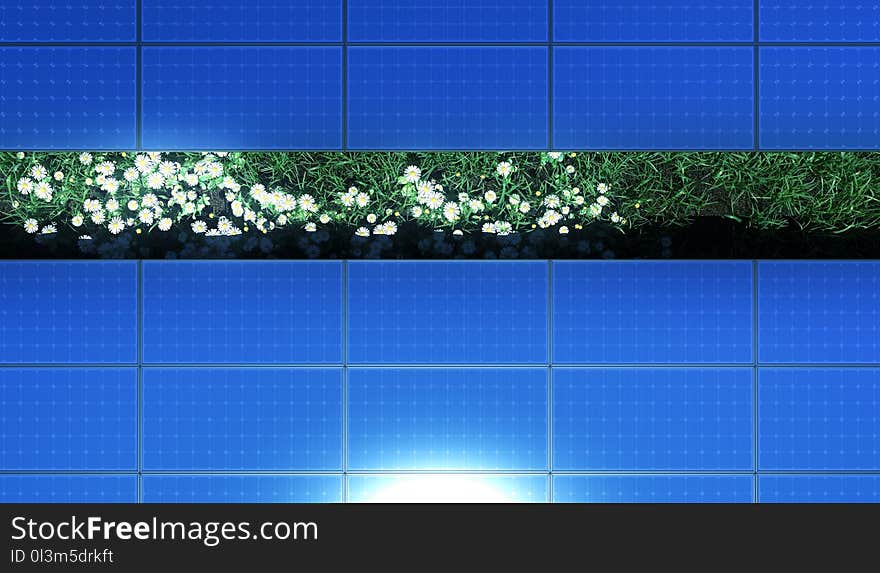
[(68, 419), (653, 489), (819, 488), (61, 488), (652, 419), (447, 419), (242, 489), (244, 418), (447, 488)]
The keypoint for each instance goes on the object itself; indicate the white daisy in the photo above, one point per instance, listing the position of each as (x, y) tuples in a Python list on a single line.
[(167, 168), (98, 217), (307, 203), (132, 205), (362, 199), (91, 205), (110, 185), (602, 188), (130, 174), (237, 208), (145, 216), (490, 196), (362, 232), (424, 187), (417, 211), (347, 199), (149, 200), (191, 179), (199, 227), (371, 218), (143, 164), (602, 200), (412, 174), (503, 228), (435, 201), (504, 169), (615, 218), (77, 220), (475, 205), (105, 168), (39, 172), (324, 218), (524, 207), (164, 224), (49, 229), (111, 205), (25, 186), (85, 158), (563, 230), (31, 226), (214, 170), (310, 227), (595, 209), (155, 180), (43, 190), (116, 226), (488, 227), (555, 155), (451, 211), (58, 176), (569, 169)]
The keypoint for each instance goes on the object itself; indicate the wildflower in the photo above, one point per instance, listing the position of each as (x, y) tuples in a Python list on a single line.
[(58, 176), (145, 216), (105, 168), (281, 220), (575, 191), (20, 155), (615, 218), (551, 201), (237, 208), (362, 232), (513, 199), (569, 169), (25, 186), (595, 209), (77, 220), (116, 226), (324, 218), (214, 170), (490, 196), (91, 205), (579, 200), (310, 227), (524, 207), (191, 179), (412, 174), (149, 200), (111, 205), (563, 230), (504, 169), (555, 155), (435, 201), (167, 168), (39, 172), (110, 185), (132, 205), (189, 208), (199, 227), (43, 190), (475, 205), (307, 203), (371, 218), (602, 200), (458, 232), (503, 228), (143, 163), (155, 180), (347, 199), (451, 211), (488, 227), (602, 188), (362, 199), (164, 224), (85, 158), (49, 229), (31, 226), (416, 211), (130, 174), (98, 217)]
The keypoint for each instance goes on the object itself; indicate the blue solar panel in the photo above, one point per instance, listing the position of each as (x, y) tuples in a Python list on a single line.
[(242, 312), (652, 312), (819, 418), (653, 488), (653, 97), (67, 98), (242, 21), (814, 312), (447, 20), (820, 98), (819, 489), (67, 21), (653, 21), (242, 97), (68, 312), (447, 488), (447, 419), (447, 97), (242, 419), (68, 488), (447, 312), (815, 21), (242, 489), (652, 419), (68, 419)]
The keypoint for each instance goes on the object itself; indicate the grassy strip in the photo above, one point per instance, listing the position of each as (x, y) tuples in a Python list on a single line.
[(824, 192)]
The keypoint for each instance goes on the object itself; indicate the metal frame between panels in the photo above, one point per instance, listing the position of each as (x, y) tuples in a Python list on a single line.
[(344, 472)]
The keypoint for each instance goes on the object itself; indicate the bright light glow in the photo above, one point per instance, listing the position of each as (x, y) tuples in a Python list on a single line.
[(439, 489)]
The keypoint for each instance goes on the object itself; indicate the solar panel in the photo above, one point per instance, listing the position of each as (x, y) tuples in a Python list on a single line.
[(819, 312), (818, 418), (447, 419), (242, 21), (68, 21), (653, 98), (449, 97), (819, 488), (447, 488), (242, 97), (447, 21), (813, 21), (652, 419), (447, 312), (59, 488), (242, 489), (251, 312), (653, 488), (242, 419), (67, 98), (653, 21), (68, 312), (652, 312), (820, 98), (68, 418)]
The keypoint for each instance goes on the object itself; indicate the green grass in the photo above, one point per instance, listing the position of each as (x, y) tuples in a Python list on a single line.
[(821, 192)]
